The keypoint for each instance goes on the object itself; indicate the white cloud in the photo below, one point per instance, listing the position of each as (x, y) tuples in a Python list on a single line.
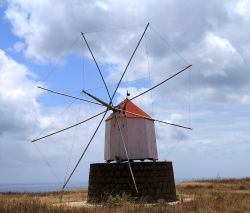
[(19, 46), (242, 7), (22, 119), (211, 35), (219, 60), (219, 54), (16, 91)]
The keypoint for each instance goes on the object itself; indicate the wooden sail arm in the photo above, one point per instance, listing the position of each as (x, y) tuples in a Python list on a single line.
[(117, 109), (85, 150), (161, 82), (98, 68), (130, 59), (153, 119), (53, 133), (110, 107), (125, 149), (69, 96), (99, 100)]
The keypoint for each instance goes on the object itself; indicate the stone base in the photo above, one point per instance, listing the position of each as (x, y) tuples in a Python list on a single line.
[(155, 180)]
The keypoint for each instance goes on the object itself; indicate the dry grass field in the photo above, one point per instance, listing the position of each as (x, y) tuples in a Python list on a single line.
[(215, 195)]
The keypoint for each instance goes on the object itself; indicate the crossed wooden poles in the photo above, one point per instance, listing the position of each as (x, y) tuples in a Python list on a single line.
[(109, 106)]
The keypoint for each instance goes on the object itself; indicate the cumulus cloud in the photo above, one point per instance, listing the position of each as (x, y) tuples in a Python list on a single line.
[(16, 93), (30, 24), (206, 39), (211, 35), (22, 119), (18, 103)]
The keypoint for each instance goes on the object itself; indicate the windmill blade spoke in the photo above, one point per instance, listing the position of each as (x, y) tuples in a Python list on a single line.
[(98, 100), (69, 96), (85, 150), (129, 61), (37, 139), (153, 119), (172, 124), (99, 70), (130, 169), (161, 82)]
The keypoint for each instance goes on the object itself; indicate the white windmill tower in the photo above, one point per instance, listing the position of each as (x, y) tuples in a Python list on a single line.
[(129, 135), (138, 132)]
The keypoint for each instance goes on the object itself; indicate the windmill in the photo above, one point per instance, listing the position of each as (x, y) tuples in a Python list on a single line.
[(129, 136)]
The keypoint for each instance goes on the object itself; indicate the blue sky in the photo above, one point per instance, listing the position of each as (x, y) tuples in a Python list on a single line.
[(212, 97)]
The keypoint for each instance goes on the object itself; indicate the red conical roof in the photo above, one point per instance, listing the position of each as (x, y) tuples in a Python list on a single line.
[(129, 106)]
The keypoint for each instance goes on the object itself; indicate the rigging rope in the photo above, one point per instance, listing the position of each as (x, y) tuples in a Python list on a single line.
[(172, 148), (83, 79), (170, 46), (78, 162), (149, 74), (64, 110), (39, 150), (126, 152), (66, 52), (45, 160), (72, 144), (189, 98), (97, 66), (48, 164), (114, 29), (107, 108), (189, 83), (35, 114)]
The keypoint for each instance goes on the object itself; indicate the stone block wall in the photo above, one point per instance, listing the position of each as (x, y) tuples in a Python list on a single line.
[(155, 180)]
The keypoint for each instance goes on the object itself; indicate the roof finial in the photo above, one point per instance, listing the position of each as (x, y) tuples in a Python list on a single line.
[(128, 94)]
